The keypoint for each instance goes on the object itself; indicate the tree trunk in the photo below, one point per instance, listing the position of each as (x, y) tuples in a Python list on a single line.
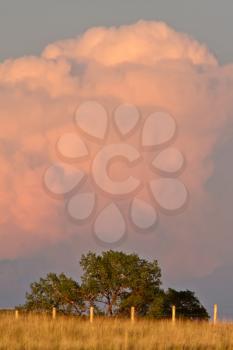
[(110, 313)]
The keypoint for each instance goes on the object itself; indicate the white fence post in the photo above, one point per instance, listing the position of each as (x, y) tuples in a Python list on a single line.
[(16, 314), (91, 314), (54, 312), (215, 318), (132, 314), (173, 314)]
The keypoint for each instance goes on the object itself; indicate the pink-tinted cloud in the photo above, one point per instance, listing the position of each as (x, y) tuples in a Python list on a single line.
[(147, 64), (144, 43)]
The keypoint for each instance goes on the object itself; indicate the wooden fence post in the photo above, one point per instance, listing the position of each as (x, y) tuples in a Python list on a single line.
[(54, 312), (91, 314), (173, 314), (132, 314), (16, 314), (215, 318)]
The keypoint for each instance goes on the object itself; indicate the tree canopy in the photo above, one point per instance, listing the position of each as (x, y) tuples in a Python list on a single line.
[(113, 282), (187, 304), (117, 280), (57, 291)]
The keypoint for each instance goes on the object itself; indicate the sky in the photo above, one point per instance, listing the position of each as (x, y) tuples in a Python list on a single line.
[(175, 56), (26, 27)]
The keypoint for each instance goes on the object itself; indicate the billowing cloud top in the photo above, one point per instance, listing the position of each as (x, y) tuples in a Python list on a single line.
[(147, 64), (144, 43)]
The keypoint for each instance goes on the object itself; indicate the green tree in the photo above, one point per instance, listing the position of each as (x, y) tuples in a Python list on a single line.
[(57, 291), (156, 308), (144, 287), (120, 280), (187, 304), (113, 282)]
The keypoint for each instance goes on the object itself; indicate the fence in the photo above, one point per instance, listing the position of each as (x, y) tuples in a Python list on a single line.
[(18, 313)]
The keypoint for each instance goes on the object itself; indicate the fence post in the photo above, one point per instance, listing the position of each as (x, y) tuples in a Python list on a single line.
[(91, 314), (54, 312), (215, 318), (132, 314), (16, 314), (173, 314)]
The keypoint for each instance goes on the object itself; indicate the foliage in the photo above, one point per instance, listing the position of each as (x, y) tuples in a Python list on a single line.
[(119, 280), (187, 304), (57, 291), (113, 282)]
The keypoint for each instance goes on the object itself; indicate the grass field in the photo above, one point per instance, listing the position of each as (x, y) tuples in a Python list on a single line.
[(40, 332)]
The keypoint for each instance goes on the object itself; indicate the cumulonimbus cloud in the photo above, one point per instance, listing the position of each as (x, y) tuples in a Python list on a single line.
[(147, 64)]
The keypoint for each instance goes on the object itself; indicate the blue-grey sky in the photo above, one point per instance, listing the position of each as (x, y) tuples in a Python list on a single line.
[(27, 26)]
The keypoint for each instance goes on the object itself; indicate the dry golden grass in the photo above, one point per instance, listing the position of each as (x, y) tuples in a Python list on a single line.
[(40, 332)]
